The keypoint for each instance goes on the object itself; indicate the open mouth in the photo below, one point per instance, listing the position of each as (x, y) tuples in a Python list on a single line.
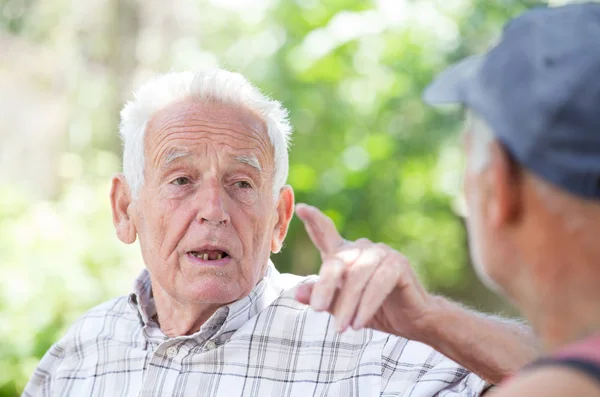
[(210, 255)]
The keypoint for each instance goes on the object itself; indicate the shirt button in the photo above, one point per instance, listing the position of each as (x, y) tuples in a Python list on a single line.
[(210, 345), (171, 352)]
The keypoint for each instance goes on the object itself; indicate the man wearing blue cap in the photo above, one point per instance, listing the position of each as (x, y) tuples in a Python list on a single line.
[(533, 195), (533, 184)]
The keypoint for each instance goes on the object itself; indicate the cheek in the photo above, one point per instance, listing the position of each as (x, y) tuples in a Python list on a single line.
[(488, 264), (255, 228), (468, 183), (478, 250), (163, 221), (475, 226)]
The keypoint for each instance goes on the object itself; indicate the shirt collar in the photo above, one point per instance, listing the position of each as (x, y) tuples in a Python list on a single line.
[(226, 319)]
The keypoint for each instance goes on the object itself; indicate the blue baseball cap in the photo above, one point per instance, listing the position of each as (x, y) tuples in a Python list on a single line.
[(539, 91)]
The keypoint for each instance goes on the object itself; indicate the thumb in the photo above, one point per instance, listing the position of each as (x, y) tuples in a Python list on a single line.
[(320, 229)]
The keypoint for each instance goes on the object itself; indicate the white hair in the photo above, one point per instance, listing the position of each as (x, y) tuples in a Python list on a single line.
[(216, 86), (482, 137)]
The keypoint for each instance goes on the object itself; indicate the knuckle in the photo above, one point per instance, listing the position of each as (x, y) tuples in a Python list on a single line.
[(395, 267), (355, 281), (353, 288), (323, 287), (394, 270), (331, 270), (347, 246), (341, 244), (347, 254), (354, 273)]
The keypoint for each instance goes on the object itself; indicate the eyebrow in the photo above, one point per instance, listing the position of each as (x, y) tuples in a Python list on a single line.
[(173, 155), (251, 160)]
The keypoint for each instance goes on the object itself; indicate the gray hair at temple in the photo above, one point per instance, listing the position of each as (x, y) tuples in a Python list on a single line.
[(481, 138), (552, 197), (215, 85)]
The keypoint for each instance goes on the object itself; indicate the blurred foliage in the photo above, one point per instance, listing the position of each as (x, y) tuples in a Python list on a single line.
[(365, 150)]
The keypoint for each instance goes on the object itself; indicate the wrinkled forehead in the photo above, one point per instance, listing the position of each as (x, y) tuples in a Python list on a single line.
[(190, 122)]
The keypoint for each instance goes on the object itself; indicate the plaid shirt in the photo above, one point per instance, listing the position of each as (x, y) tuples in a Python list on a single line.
[(265, 344)]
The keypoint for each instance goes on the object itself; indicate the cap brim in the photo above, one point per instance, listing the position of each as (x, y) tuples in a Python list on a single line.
[(451, 85)]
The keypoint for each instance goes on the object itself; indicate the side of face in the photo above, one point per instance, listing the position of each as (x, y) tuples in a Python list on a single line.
[(493, 202), (206, 216)]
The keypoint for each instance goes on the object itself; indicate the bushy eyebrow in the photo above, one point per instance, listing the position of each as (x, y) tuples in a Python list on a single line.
[(172, 155), (250, 160)]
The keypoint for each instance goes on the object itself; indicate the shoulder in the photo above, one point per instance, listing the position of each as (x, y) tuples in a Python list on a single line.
[(87, 330), (549, 381), (281, 292), (283, 306), (104, 323), (572, 370), (289, 282), (112, 315), (117, 308)]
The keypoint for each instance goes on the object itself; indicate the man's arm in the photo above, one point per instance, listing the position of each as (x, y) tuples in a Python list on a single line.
[(366, 284), (490, 346)]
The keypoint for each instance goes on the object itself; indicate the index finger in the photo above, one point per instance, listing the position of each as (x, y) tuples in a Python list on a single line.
[(320, 229)]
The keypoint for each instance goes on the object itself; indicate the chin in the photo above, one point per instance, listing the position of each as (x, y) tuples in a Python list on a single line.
[(214, 289)]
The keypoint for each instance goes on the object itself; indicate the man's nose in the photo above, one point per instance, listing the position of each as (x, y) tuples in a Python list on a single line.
[(211, 209)]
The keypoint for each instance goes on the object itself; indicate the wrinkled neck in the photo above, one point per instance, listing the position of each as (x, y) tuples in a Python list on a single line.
[(177, 318)]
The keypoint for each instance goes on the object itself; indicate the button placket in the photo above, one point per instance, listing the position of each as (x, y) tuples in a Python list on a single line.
[(210, 345), (172, 351)]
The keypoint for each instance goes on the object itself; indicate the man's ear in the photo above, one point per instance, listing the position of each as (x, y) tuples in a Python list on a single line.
[(120, 201), (504, 196), (285, 211)]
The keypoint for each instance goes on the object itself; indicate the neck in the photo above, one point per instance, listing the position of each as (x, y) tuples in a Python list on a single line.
[(178, 318), (558, 329), (556, 281), (564, 304)]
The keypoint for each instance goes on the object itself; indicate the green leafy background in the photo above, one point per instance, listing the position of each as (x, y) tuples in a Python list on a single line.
[(365, 149)]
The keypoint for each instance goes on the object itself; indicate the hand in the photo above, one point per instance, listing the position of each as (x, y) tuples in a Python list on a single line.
[(363, 284)]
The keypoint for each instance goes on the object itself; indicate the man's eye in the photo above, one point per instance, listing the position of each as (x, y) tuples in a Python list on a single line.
[(181, 181), (244, 184)]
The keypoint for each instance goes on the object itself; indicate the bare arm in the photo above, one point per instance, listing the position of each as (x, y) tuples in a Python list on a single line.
[(490, 346)]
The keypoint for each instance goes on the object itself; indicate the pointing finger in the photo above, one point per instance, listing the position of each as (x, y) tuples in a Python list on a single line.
[(320, 229)]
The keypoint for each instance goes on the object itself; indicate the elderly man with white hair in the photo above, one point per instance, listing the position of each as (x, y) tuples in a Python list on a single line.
[(203, 189)]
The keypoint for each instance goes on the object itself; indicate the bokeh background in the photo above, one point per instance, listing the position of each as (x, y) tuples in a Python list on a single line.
[(365, 149)]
